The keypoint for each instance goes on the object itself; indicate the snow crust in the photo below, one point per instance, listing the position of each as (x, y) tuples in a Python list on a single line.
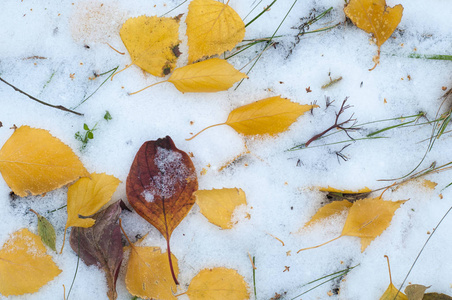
[(44, 53)]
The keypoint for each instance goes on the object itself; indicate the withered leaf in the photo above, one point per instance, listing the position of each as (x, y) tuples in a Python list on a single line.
[(415, 291), (101, 244), (160, 185), (46, 231)]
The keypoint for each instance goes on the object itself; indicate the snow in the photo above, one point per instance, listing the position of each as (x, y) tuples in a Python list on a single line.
[(43, 43)]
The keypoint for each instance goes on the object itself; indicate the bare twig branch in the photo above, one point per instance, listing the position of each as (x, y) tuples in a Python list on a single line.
[(336, 124), (39, 101)]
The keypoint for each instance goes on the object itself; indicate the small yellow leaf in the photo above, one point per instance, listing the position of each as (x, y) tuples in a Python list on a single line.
[(333, 208), (87, 196), (267, 116), (218, 284), (373, 16), (32, 161), (212, 28), (24, 265), (391, 292), (209, 76), (369, 217), (152, 43), (149, 275), (218, 205)]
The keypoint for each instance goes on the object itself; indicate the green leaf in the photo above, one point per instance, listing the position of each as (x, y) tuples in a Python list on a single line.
[(46, 231), (85, 126), (90, 135), (107, 116)]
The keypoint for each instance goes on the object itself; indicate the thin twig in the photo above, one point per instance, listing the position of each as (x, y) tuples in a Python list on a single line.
[(335, 125), (39, 101)]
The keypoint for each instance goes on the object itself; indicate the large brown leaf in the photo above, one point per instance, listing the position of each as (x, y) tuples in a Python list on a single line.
[(160, 185)]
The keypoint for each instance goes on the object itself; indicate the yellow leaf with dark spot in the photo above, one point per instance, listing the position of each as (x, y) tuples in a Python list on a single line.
[(32, 161), (148, 273), (212, 28), (373, 16), (152, 43), (24, 265), (218, 284), (218, 205)]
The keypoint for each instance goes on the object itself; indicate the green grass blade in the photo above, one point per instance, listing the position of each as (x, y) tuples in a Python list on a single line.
[(431, 56)]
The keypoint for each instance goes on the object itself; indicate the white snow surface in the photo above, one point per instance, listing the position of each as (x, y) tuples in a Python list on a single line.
[(45, 43)]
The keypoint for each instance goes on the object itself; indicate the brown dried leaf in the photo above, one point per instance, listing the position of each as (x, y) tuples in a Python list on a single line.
[(101, 244), (160, 185)]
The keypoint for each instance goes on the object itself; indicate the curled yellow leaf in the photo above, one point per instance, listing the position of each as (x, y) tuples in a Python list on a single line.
[(34, 162), (87, 196), (212, 28), (24, 265), (218, 205), (267, 116)]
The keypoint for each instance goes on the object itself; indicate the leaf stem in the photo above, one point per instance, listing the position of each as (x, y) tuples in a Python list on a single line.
[(114, 74), (320, 244), (60, 107), (171, 262), (189, 139), (147, 87)]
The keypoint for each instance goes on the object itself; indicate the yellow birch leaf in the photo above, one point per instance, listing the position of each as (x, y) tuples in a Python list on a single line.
[(87, 196), (391, 292), (212, 28), (218, 284), (369, 217), (333, 208), (24, 265), (373, 16), (267, 116), (209, 76), (148, 273), (218, 205), (152, 43), (34, 162), (365, 242)]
